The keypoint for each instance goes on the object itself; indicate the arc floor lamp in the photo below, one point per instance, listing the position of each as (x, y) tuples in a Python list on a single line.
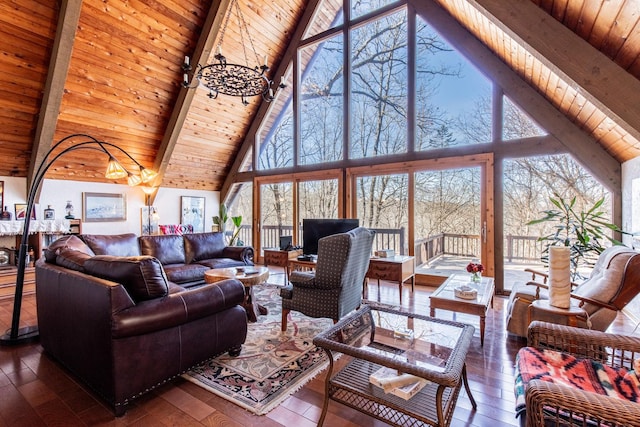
[(115, 170)]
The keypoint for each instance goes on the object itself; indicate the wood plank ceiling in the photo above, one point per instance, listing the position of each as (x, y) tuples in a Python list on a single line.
[(112, 69)]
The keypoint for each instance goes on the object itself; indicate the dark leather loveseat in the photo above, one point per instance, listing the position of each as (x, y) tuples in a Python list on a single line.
[(117, 322)]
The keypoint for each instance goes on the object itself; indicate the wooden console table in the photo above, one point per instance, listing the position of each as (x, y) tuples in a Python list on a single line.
[(280, 258), (399, 269)]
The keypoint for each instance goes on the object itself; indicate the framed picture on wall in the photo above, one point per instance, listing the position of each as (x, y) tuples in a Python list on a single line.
[(21, 211), (103, 207), (149, 220), (192, 212)]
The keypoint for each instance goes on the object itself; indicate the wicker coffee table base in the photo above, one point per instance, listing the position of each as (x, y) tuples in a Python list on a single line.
[(351, 388)]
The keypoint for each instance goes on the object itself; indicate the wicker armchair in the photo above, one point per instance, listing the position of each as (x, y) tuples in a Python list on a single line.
[(335, 288), (555, 404)]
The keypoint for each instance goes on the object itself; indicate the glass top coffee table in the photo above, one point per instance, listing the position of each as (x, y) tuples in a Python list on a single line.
[(377, 336)]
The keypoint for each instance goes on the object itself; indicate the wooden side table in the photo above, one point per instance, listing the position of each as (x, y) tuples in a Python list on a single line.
[(249, 278), (279, 258), (296, 264), (572, 313), (399, 269)]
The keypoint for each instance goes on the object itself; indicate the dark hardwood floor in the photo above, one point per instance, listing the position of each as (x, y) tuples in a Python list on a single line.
[(35, 391)]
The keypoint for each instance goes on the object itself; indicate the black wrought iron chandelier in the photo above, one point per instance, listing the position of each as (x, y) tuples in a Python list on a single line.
[(232, 79)]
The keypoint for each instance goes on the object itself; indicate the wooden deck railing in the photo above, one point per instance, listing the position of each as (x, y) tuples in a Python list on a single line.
[(517, 248)]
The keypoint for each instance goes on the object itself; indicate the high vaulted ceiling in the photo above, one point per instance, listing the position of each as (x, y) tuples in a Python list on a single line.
[(112, 69)]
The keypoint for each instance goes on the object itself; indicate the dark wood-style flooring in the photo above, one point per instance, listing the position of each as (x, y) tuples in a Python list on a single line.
[(36, 391)]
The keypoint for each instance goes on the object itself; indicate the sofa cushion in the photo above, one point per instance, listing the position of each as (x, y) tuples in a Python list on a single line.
[(70, 242), (142, 276), (604, 285), (116, 244), (185, 273), (72, 259), (199, 246), (168, 249), (221, 263)]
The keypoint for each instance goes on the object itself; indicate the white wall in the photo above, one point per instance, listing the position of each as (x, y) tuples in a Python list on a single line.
[(631, 199), (56, 193)]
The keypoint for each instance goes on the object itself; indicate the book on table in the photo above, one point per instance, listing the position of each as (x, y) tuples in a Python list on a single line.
[(399, 384)]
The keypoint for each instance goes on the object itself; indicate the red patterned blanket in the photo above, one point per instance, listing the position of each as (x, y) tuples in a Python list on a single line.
[(583, 374)]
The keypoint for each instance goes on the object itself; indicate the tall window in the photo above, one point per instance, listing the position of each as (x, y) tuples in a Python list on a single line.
[(241, 205), (517, 124), (276, 213), (362, 7), (355, 67), (317, 199), (276, 139), (379, 91), (382, 204), (449, 92), (321, 102), (529, 185), (447, 218)]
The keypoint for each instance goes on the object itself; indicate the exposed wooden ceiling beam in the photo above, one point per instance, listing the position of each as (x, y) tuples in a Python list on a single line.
[(599, 79), (54, 86), (250, 136), (200, 55)]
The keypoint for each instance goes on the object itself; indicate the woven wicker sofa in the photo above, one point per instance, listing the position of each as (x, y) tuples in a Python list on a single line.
[(543, 395)]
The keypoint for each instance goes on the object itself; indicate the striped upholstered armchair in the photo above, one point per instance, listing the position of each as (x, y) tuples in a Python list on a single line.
[(335, 288)]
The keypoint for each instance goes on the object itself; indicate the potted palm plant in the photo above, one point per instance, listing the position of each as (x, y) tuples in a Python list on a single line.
[(585, 233), (220, 221)]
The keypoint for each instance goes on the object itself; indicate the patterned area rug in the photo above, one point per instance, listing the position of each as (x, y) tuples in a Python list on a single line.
[(272, 365)]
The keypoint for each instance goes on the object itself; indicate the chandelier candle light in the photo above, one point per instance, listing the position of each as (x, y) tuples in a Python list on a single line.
[(115, 170), (228, 78), (559, 276)]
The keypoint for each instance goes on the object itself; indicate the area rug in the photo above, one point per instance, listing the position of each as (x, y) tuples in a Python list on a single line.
[(272, 364)]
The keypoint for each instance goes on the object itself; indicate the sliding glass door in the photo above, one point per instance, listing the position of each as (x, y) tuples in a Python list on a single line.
[(437, 211), (449, 229)]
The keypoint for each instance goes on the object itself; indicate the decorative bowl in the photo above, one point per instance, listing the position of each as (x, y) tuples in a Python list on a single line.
[(466, 292)]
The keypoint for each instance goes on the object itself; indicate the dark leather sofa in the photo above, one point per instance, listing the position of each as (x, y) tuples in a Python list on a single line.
[(184, 258), (110, 315)]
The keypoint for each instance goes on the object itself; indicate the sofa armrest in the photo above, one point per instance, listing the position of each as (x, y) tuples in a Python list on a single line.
[(177, 308), (241, 253), (535, 273), (538, 286), (587, 300)]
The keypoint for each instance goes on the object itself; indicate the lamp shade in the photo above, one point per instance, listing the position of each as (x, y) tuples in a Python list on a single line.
[(133, 180), (115, 169), (147, 174), (148, 190), (559, 276)]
